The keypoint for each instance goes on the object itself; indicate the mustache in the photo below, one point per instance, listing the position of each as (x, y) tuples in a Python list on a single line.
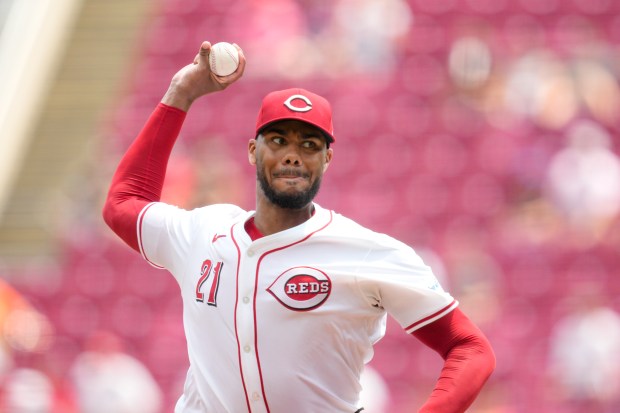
[(291, 172)]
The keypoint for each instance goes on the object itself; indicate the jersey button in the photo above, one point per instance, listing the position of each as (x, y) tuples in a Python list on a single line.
[(246, 299), (250, 253), (255, 396), (247, 349)]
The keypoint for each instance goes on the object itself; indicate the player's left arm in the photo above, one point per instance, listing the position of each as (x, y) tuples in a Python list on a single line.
[(468, 357)]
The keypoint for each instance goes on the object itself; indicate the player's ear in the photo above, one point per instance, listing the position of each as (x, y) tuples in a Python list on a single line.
[(329, 154), (252, 151)]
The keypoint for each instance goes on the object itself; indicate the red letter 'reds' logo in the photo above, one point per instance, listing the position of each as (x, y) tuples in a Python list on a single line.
[(301, 288)]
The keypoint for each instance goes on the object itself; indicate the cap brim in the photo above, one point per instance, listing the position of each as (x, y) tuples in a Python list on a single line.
[(328, 137)]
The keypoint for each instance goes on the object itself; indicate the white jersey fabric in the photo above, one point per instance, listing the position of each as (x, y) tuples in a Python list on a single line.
[(284, 323)]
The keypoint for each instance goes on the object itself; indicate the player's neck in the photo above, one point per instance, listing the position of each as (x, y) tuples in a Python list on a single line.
[(270, 218)]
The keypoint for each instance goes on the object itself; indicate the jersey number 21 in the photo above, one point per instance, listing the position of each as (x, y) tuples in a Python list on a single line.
[(209, 272)]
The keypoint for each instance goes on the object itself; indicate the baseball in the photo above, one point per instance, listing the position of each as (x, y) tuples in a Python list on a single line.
[(223, 58)]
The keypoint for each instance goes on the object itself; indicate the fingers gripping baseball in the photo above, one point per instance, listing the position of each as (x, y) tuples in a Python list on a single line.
[(197, 79), (202, 60), (203, 53)]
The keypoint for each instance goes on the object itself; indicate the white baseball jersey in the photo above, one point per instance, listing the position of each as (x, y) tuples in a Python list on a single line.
[(284, 323)]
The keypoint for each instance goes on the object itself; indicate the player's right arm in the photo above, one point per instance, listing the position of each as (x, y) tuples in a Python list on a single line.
[(139, 178)]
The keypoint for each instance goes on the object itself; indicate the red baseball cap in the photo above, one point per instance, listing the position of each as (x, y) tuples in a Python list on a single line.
[(296, 104)]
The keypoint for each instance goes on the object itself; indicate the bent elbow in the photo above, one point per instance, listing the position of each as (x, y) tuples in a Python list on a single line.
[(122, 218), (108, 213), (490, 360)]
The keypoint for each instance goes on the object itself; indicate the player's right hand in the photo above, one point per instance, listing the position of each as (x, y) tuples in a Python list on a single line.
[(196, 79)]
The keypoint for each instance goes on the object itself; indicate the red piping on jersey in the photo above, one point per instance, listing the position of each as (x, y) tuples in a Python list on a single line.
[(260, 372), (245, 390), (140, 243), (435, 314)]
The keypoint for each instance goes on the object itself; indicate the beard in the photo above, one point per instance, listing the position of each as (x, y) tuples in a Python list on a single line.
[(284, 200)]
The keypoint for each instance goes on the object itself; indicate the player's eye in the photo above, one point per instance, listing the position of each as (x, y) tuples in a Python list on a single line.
[(278, 140), (312, 142)]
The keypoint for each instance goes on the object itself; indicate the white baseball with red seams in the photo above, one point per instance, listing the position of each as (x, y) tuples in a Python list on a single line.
[(223, 58), (286, 322)]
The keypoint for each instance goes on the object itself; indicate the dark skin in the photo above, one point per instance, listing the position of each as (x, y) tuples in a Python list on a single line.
[(292, 155), (296, 148)]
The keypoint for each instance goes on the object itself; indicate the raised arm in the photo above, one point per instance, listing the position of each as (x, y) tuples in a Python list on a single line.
[(468, 362), (139, 178)]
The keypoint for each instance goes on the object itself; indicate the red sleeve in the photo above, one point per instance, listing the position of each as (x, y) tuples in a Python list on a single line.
[(468, 362), (139, 178)]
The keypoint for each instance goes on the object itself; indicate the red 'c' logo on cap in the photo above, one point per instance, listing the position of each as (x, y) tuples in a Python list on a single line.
[(288, 103)]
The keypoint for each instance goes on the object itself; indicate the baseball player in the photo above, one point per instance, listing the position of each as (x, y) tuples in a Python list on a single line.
[(282, 305)]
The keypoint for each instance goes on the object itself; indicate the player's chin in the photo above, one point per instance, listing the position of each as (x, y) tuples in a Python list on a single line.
[(291, 198), (291, 193), (292, 202)]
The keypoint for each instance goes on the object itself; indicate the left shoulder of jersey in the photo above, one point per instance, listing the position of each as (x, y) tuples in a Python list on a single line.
[(346, 228)]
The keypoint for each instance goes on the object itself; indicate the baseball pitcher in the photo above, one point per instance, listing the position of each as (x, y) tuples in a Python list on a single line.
[(282, 304)]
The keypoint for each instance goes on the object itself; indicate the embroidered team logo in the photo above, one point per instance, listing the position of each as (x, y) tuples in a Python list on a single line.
[(297, 107), (301, 288)]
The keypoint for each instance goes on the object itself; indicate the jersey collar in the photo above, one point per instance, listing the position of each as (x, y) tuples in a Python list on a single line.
[(319, 220)]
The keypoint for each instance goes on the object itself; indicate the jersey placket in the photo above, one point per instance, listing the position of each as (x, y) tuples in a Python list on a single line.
[(250, 257), (245, 326)]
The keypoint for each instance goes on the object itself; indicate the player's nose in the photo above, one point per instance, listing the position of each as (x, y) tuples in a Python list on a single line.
[(292, 158), (292, 155)]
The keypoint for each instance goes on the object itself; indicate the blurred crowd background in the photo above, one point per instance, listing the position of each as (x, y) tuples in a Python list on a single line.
[(483, 133)]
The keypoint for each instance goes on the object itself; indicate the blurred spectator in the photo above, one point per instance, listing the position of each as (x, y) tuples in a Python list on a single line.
[(585, 354), (22, 327), (107, 380), (24, 331), (370, 32), (540, 88), (584, 180), (351, 36), (531, 220), (274, 42), (599, 90), (28, 391)]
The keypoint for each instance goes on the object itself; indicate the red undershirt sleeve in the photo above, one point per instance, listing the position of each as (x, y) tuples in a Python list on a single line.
[(468, 362), (139, 178)]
